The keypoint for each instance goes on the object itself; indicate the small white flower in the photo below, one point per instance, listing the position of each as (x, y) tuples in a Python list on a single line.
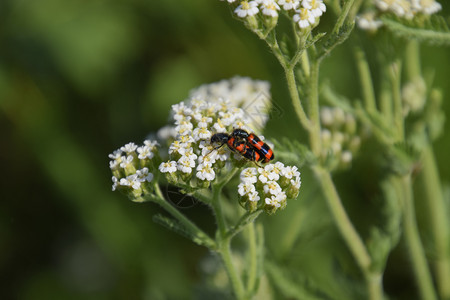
[(272, 187), (129, 148), (145, 152), (304, 18), (205, 172), (289, 4), (186, 139), (184, 127), (115, 183), (272, 172), (427, 7), (273, 201), (296, 183), (290, 172), (227, 118), (168, 167), (317, 7), (181, 111), (131, 181), (219, 126), (178, 147), (202, 133), (113, 164), (249, 175), (254, 196), (247, 8), (269, 8), (116, 154), (126, 161), (189, 154), (207, 159), (203, 121), (144, 175), (185, 165), (346, 157), (245, 188), (367, 21), (326, 115), (401, 8), (151, 144)]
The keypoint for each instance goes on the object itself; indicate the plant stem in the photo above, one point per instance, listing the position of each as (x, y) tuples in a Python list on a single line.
[(191, 227), (253, 259), (343, 15), (349, 233), (386, 97), (438, 218), (397, 98), (412, 64), (366, 80), (223, 242), (416, 251), (295, 98), (314, 132), (375, 286), (246, 219)]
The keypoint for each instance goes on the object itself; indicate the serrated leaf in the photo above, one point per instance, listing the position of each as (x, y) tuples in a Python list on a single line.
[(175, 226), (433, 31), (292, 151), (334, 39)]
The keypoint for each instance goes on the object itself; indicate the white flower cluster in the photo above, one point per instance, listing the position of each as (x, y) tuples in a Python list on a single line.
[(192, 159), (253, 96), (402, 8), (409, 8), (305, 12), (339, 137), (131, 166), (273, 185)]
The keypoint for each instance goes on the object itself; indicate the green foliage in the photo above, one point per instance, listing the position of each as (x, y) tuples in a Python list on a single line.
[(433, 30), (293, 152)]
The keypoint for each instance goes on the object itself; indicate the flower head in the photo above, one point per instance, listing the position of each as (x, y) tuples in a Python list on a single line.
[(275, 184), (246, 9), (132, 168), (304, 18)]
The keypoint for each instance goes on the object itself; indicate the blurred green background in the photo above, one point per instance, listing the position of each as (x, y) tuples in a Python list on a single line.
[(78, 79)]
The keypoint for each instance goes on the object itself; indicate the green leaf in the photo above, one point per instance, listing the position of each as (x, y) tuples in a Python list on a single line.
[(301, 288), (433, 30), (292, 151), (177, 227), (326, 45)]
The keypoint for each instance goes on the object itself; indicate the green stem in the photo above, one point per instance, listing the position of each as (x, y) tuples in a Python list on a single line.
[(295, 98), (375, 286), (223, 242), (366, 80), (236, 281), (412, 64), (253, 259), (397, 98), (191, 227), (416, 251), (343, 15), (438, 218), (386, 97), (305, 63), (349, 234), (314, 132), (246, 219)]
